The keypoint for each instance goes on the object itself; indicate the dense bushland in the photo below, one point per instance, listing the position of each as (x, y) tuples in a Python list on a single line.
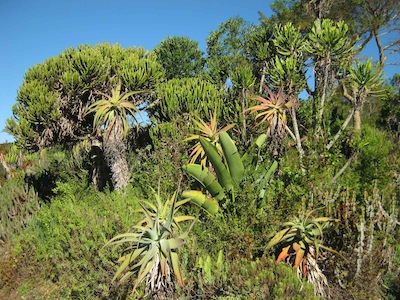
[(238, 190)]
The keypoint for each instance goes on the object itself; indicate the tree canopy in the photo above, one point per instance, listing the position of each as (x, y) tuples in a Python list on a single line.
[(180, 56), (54, 95)]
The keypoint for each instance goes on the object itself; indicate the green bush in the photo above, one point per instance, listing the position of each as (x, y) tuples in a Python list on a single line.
[(19, 204), (69, 232)]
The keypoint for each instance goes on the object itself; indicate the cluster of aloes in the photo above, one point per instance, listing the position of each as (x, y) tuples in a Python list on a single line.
[(153, 245)]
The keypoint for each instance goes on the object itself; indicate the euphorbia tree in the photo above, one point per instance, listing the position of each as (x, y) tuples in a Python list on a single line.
[(362, 81), (54, 95), (330, 49), (287, 70)]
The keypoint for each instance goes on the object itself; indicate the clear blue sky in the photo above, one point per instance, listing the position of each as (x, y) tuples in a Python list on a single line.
[(32, 31)]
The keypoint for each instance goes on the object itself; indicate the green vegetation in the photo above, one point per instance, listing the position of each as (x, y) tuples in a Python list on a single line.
[(258, 176)]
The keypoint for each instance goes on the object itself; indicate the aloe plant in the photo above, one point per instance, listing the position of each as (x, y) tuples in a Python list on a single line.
[(228, 168), (152, 253), (208, 131), (301, 241)]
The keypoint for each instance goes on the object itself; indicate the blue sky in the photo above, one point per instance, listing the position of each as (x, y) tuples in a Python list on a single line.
[(32, 31)]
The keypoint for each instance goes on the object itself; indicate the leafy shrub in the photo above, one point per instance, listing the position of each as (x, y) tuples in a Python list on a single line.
[(67, 234), (19, 204)]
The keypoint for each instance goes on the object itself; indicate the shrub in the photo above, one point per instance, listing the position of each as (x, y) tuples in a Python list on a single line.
[(66, 237)]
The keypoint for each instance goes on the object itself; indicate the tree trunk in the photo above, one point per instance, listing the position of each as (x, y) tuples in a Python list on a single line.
[(345, 166), (244, 128), (357, 119), (100, 172), (298, 139), (344, 125), (115, 154), (323, 95), (262, 79)]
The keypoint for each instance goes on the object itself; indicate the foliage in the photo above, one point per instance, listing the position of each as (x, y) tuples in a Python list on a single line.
[(329, 38), (154, 246), (228, 168), (189, 95), (226, 49), (180, 57), (287, 69), (20, 204), (208, 131), (65, 236), (52, 101)]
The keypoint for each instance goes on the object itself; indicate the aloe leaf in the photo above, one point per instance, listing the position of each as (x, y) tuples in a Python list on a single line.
[(197, 197), (208, 180), (175, 243), (299, 257), (176, 267), (126, 276), (142, 274), (277, 238), (270, 172), (122, 238), (232, 156), (166, 249), (170, 218), (183, 218), (224, 177), (126, 260)]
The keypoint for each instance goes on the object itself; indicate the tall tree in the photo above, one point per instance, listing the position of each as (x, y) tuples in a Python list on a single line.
[(367, 19), (226, 48), (54, 97), (330, 49), (180, 56), (287, 71)]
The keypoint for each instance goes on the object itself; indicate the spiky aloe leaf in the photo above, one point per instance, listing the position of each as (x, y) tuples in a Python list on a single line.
[(261, 140), (299, 254), (284, 253), (208, 180), (126, 260), (224, 177), (141, 275), (277, 238), (325, 219), (176, 267), (208, 204), (233, 159)]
